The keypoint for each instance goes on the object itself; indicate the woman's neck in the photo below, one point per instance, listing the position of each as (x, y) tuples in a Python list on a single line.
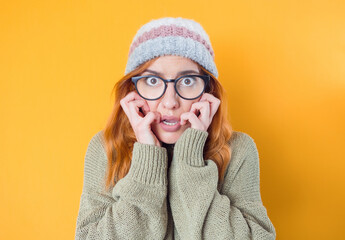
[(170, 151)]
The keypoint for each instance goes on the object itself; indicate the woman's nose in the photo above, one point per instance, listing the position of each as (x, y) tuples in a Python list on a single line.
[(170, 97)]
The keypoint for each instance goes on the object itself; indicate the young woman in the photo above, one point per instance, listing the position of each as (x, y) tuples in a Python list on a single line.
[(167, 165)]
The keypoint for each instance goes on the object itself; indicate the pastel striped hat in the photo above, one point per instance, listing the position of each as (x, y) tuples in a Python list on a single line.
[(171, 36)]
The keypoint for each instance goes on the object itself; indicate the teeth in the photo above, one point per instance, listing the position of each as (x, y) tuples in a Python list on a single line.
[(169, 123)]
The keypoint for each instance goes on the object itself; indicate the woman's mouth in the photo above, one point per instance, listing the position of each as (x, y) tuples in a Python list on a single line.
[(170, 123)]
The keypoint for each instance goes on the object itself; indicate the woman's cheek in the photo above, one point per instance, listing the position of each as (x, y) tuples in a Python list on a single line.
[(153, 105)]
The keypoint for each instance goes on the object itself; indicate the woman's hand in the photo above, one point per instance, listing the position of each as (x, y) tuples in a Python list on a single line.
[(141, 124), (207, 107)]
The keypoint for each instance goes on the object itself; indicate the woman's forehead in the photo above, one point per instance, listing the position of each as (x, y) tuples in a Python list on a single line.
[(173, 65)]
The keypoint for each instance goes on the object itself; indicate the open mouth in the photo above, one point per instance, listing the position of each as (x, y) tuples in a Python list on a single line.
[(169, 123)]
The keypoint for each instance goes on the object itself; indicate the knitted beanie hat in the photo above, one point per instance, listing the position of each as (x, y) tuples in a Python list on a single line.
[(171, 36)]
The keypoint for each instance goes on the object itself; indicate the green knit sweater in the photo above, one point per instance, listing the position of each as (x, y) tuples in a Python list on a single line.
[(180, 200)]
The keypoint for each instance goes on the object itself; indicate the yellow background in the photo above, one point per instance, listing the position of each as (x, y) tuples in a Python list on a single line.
[(282, 64)]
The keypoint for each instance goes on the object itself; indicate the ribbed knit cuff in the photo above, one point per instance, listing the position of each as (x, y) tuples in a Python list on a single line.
[(190, 146), (149, 164)]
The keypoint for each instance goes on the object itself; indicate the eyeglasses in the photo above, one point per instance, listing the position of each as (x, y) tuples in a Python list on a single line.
[(189, 87)]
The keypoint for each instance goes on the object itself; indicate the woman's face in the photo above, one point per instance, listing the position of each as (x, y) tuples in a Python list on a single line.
[(171, 104)]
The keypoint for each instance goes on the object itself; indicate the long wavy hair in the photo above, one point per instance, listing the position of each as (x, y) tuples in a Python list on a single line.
[(119, 146)]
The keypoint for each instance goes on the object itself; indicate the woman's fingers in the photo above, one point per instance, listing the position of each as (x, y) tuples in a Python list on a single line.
[(131, 104), (207, 106), (144, 132), (194, 121), (213, 101), (140, 120), (204, 109), (124, 101), (150, 118), (130, 97), (134, 108)]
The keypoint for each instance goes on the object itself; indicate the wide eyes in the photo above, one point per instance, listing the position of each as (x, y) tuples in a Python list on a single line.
[(152, 87), (152, 81), (184, 81), (187, 81)]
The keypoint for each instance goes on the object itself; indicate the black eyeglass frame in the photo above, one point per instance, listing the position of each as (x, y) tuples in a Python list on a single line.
[(206, 79)]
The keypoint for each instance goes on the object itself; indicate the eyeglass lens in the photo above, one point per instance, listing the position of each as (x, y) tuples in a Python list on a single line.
[(153, 87)]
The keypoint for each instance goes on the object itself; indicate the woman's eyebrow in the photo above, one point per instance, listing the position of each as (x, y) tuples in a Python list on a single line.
[(178, 74)]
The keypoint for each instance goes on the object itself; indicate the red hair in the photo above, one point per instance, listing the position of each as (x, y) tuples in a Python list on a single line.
[(119, 146)]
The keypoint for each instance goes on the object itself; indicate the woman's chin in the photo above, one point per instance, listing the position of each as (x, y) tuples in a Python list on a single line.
[(168, 137)]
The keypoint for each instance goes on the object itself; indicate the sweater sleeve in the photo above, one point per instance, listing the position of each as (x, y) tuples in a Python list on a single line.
[(136, 207), (199, 210)]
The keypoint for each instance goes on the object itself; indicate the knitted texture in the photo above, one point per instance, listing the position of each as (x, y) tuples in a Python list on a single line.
[(183, 201), (171, 36)]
